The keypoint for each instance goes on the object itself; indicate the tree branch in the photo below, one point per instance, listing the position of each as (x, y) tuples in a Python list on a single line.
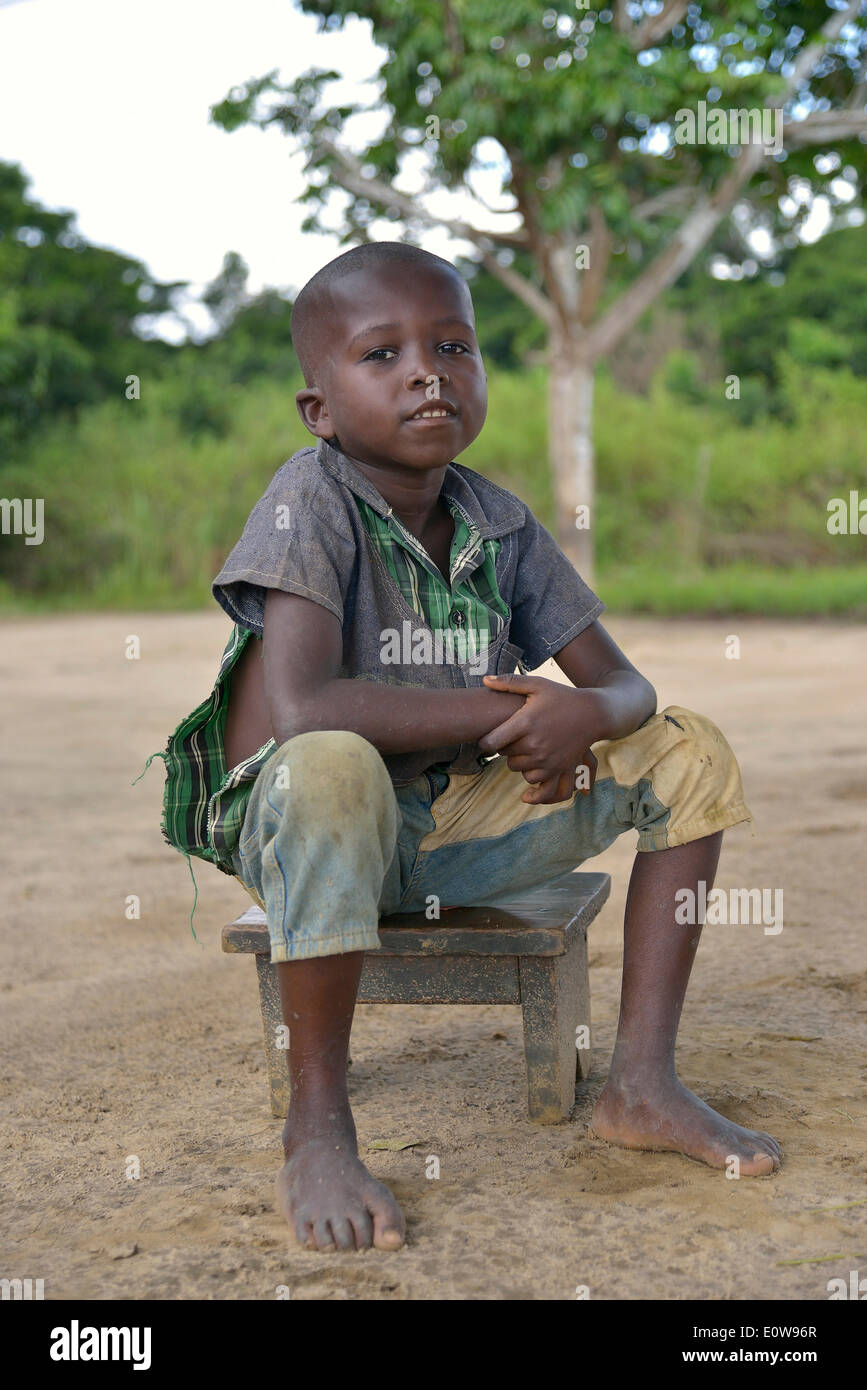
[(622, 21), (542, 246), (521, 288), (663, 202), (691, 236), (452, 30), (347, 173), (656, 26), (808, 57), (698, 227), (593, 279), (825, 128)]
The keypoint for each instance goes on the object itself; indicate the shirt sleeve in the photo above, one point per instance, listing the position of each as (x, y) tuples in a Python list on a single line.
[(296, 539), (551, 603)]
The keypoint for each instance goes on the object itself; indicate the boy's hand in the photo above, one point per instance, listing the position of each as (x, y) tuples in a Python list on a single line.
[(548, 738)]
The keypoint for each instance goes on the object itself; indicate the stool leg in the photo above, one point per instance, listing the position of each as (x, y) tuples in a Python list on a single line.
[(581, 1016), (276, 1057), (554, 1002)]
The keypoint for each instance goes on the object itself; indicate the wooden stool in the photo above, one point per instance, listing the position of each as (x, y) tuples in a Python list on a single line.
[(531, 950)]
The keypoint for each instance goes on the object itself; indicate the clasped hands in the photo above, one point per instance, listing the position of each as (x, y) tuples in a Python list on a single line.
[(548, 739)]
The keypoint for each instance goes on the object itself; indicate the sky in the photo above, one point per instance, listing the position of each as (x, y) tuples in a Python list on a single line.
[(105, 105)]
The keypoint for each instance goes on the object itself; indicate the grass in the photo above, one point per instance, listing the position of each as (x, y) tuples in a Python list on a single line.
[(736, 589)]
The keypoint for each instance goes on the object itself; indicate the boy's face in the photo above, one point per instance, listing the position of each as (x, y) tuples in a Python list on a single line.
[(399, 335)]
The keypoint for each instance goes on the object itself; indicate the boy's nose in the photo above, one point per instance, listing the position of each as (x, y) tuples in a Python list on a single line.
[(421, 373)]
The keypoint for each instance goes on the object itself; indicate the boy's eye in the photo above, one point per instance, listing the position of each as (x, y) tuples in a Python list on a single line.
[(373, 355)]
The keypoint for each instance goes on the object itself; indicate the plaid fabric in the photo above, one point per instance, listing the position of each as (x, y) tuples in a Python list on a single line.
[(473, 602), (204, 803), (196, 777)]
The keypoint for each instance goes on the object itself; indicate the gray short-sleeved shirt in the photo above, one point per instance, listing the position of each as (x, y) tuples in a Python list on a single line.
[(306, 536)]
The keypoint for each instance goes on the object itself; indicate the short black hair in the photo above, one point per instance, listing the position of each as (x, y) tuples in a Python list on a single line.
[(310, 323)]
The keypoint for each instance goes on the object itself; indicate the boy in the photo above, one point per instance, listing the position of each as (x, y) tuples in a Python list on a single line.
[(360, 744)]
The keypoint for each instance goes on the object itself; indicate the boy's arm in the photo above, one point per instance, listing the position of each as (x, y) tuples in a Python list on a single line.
[(553, 731), (611, 698), (624, 698), (303, 650)]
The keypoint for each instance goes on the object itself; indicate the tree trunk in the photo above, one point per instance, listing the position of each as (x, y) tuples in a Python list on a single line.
[(570, 450)]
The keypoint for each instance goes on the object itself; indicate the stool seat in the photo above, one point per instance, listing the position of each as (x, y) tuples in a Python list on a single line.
[(528, 949)]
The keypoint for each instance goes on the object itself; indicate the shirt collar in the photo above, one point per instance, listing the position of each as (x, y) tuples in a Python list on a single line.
[(500, 514)]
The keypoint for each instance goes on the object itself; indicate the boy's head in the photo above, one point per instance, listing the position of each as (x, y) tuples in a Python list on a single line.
[(383, 332)]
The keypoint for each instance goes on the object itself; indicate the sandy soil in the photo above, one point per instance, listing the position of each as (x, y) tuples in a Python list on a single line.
[(127, 1038)]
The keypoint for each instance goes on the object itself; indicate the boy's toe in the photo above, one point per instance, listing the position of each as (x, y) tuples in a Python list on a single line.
[(363, 1224), (389, 1229), (304, 1233), (324, 1237), (387, 1237), (343, 1232), (767, 1144), (759, 1162)]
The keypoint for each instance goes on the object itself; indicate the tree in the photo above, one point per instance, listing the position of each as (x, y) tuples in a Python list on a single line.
[(813, 307), (227, 294), (582, 115), (67, 312), (255, 342)]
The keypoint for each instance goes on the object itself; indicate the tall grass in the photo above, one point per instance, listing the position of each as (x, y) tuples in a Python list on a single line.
[(694, 512)]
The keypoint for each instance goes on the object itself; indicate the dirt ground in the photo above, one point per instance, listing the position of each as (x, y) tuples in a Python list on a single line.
[(126, 1040)]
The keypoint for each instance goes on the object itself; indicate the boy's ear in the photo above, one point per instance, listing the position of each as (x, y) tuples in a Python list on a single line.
[(313, 409)]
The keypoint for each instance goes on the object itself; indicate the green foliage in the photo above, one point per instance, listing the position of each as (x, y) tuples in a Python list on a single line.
[(682, 376), (816, 312), (137, 512), (507, 330), (67, 314), (738, 589), (256, 343), (815, 344), (695, 511), (577, 113)]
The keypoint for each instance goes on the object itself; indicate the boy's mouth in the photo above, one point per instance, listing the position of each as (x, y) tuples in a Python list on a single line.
[(433, 412)]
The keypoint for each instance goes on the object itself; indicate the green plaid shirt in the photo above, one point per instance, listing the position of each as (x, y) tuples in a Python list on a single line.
[(204, 803), (473, 604)]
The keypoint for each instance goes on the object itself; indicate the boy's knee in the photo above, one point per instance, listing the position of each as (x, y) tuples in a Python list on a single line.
[(328, 773), (701, 740), (318, 838), (685, 776), (699, 779)]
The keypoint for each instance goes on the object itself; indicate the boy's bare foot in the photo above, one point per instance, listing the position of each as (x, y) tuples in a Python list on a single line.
[(331, 1201), (667, 1116)]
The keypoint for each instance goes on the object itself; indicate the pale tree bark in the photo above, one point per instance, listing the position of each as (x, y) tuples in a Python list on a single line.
[(570, 448), (574, 288)]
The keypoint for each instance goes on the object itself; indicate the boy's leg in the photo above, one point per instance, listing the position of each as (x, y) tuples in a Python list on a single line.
[(644, 1105), (687, 789), (318, 848), (326, 1194), (677, 782)]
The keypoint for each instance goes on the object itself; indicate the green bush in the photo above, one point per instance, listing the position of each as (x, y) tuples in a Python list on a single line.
[(695, 511)]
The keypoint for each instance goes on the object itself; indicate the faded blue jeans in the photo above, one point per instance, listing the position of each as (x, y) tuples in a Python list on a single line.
[(329, 844)]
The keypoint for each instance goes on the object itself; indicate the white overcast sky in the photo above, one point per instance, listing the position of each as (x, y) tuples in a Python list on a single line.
[(105, 105)]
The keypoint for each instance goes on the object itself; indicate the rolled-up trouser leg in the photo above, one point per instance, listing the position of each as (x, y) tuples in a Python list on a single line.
[(318, 843), (675, 778)]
